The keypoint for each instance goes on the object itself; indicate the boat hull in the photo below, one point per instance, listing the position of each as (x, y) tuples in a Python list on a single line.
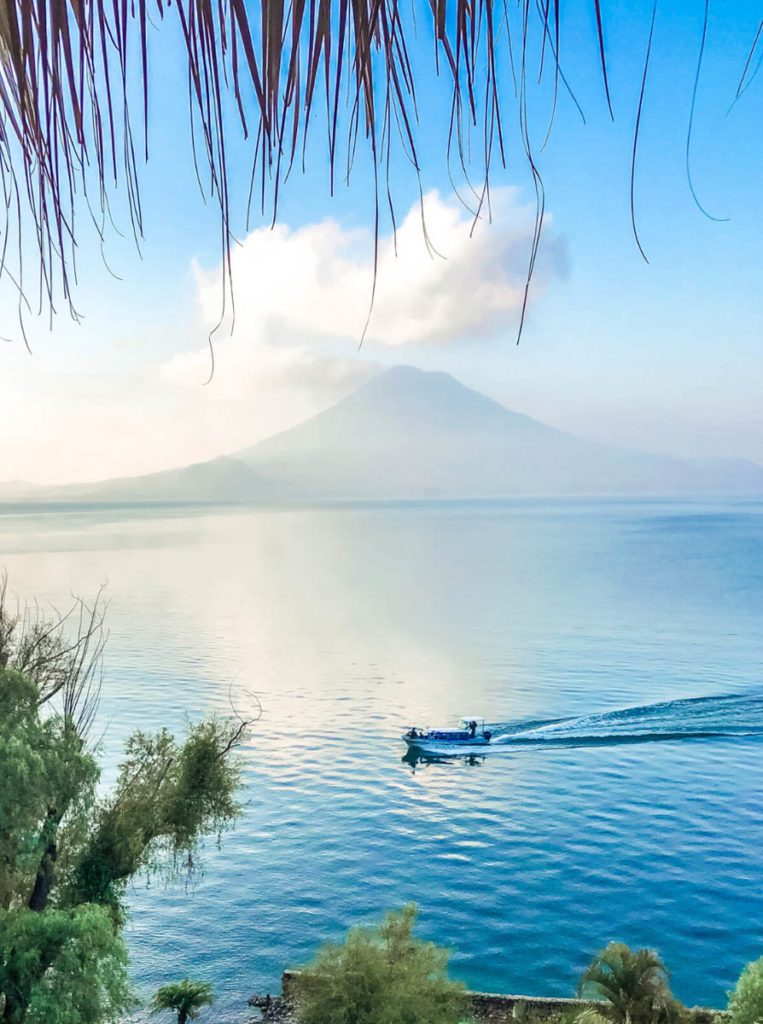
[(441, 743)]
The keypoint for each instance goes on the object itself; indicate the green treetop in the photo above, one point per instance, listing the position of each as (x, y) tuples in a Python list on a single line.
[(185, 998), (67, 853), (381, 975), (746, 1001), (632, 984)]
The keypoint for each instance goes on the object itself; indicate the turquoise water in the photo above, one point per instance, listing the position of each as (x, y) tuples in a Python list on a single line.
[(616, 646)]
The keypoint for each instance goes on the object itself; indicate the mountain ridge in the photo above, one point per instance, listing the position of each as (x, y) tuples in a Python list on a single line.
[(413, 434)]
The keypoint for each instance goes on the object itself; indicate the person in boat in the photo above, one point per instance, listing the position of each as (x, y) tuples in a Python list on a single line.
[(472, 729)]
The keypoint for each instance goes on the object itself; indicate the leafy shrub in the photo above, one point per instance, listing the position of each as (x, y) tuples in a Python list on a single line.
[(380, 975), (746, 1001)]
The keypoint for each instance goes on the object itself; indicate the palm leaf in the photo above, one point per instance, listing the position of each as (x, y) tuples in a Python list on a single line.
[(67, 121)]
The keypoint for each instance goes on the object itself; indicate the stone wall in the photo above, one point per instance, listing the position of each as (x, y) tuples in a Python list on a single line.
[(496, 1009), (491, 1008)]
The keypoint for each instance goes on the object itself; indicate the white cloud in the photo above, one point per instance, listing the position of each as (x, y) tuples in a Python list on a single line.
[(302, 300), (297, 290)]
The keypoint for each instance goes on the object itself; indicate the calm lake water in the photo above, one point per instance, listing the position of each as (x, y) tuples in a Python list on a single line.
[(351, 623)]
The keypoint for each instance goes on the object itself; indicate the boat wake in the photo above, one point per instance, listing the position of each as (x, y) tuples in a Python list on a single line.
[(735, 715)]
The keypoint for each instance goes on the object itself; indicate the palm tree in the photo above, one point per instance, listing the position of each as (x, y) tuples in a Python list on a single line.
[(186, 998), (633, 984)]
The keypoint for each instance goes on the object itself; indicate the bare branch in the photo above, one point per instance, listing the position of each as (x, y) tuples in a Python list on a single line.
[(61, 653)]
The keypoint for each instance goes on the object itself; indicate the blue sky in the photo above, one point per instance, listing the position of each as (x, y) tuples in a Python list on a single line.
[(664, 357)]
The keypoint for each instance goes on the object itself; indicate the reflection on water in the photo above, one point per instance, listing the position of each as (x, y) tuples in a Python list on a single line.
[(420, 760), (350, 623)]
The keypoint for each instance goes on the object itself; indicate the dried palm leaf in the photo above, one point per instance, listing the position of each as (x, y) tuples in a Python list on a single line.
[(67, 128)]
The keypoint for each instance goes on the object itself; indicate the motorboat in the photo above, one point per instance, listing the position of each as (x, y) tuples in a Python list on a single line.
[(471, 732)]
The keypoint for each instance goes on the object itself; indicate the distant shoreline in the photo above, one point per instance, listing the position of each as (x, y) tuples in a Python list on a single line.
[(50, 507)]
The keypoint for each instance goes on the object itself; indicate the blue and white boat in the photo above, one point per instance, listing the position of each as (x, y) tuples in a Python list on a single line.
[(471, 732)]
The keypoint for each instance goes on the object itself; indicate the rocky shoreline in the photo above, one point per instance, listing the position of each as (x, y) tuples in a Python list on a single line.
[(273, 1009)]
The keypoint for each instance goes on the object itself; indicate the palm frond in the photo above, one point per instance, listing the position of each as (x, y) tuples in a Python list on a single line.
[(68, 120), (632, 984), (186, 998)]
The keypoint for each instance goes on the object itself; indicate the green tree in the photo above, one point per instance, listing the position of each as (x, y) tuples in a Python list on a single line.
[(380, 975), (68, 852), (746, 1001), (633, 985), (186, 998)]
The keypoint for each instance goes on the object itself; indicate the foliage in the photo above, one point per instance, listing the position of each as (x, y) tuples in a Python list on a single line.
[(66, 853), (186, 998), (746, 1001), (67, 966), (166, 797), (588, 1015), (380, 975), (633, 985)]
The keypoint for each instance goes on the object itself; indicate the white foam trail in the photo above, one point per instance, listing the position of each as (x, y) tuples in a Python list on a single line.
[(693, 718)]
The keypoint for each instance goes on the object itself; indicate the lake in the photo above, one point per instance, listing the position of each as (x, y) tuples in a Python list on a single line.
[(636, 817)]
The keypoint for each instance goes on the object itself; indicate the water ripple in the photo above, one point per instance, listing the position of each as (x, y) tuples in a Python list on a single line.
[(348, 625)]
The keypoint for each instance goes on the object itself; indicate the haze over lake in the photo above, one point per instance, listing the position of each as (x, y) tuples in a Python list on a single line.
[(350, 623)]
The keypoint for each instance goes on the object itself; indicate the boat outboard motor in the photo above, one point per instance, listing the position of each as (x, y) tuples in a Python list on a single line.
[(487, 734)]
